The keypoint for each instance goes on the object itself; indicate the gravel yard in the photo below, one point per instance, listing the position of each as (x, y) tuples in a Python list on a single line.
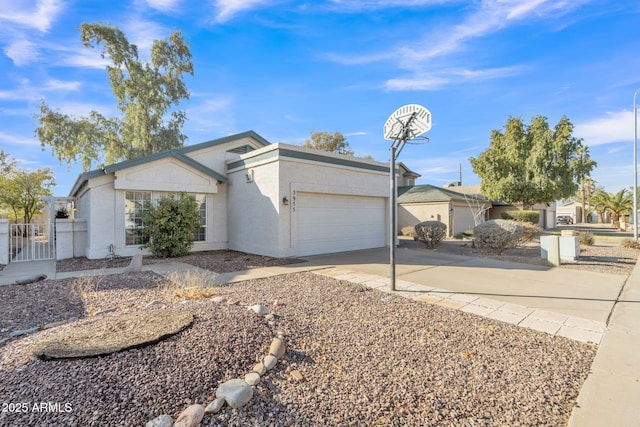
[(219, 261), (368, 358)]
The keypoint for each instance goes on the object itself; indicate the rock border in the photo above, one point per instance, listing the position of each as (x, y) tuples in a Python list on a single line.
[(235, 392)]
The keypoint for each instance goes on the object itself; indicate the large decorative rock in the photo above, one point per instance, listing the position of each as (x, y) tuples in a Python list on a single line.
[(30, 279), (277, 348), (236, 392), (20, 332), (135, 265), (109, 334), (190, 417), (161, 421)]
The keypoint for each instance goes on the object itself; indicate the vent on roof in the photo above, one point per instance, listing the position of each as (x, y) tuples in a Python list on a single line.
[(241, 150)]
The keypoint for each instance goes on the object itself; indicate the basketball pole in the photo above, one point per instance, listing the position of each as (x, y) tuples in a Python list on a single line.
[(392, 215), (406, 123)]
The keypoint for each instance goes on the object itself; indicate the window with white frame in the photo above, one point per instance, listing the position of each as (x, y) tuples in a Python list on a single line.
[(139, 202), (201, 234)]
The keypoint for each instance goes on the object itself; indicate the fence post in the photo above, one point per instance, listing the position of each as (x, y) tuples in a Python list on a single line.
[(4, 241), (64, 238)]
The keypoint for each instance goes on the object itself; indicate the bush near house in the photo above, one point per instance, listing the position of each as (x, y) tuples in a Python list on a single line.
[(431, 232), (587, 239), (530, 232), (522, 216), (409, 231), (498, 235), (170, 225), (630, 244)]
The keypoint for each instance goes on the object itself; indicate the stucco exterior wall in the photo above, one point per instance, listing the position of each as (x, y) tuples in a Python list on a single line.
[(253, 209), (260, 221), (410, 214)]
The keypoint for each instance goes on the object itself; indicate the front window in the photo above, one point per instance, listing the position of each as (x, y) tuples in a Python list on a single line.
[(139, 202), (201, 234), (136, 204)]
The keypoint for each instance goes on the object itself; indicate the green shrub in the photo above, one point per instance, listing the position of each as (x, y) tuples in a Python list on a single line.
[(630, 244), (170, 225), (522, 216), (497, 235), (586, 239), (431, 232), (530, 232), (409, 231)]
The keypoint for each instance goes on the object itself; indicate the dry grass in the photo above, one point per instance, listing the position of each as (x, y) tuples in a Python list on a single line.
[(190, 285), (86, 287)]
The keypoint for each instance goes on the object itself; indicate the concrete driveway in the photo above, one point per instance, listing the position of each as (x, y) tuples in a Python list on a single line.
[(576, 293)]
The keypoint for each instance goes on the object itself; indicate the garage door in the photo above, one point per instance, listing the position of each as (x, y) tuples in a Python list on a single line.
[(329, 223)]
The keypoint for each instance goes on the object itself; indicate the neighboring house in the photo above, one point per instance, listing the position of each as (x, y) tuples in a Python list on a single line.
[(429, 203), (269, 199)]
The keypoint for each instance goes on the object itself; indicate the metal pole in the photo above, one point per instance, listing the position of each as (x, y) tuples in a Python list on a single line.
[(635, 167), (392, 215)]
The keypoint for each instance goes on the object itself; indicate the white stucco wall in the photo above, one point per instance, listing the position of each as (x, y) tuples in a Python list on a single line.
[(103, 205), (260, 222)]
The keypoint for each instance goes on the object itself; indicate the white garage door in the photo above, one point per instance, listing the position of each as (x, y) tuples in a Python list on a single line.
[(331, 223)]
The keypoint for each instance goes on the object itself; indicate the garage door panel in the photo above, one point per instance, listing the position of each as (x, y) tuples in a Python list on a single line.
[(333, 223)]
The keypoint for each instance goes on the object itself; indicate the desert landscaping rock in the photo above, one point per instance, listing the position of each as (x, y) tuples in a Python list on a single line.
[(111, 334), (259, 309), (161, 421), (135, 265), (215, 406), (269, 361), (296, 375), (252, 378), (277, 348), (236, 392), (365, 360), (219, 300), (190, 417), (21, 332), (259, 369)]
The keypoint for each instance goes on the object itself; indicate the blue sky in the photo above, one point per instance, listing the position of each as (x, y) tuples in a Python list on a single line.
[(284, 68)]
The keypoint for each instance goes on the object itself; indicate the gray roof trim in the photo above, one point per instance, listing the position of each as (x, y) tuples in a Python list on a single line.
[(285, 152), (202, 168), (429, 193), (248, 134), (177, 153)]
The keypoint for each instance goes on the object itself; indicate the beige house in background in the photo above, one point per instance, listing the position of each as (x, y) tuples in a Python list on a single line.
[(429, 203)]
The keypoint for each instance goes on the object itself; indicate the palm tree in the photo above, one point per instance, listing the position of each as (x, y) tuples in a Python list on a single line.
[(616, 204)]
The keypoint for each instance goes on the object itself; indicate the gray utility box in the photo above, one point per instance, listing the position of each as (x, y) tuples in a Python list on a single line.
[(567, 247)]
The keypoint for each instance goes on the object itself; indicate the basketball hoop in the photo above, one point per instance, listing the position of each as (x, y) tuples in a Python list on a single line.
[(405, 125)]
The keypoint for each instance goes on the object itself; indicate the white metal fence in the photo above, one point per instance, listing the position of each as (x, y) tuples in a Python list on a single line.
[(31, 242)]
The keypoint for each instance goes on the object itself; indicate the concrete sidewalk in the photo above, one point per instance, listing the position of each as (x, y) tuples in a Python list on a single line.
[(580, 305)]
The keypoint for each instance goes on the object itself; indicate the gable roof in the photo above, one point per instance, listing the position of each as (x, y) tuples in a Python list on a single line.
[(429, 193), (176, 153)]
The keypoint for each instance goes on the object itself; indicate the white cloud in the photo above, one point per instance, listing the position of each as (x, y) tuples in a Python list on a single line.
[(21, 52), (84, 58), (163, 5), (26, 91), (228, 8), (17, 140), (441, 78), (487, 18), (613, 127), (38, 14)]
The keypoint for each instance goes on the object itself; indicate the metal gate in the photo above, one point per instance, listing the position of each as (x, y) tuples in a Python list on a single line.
[(31, 242)]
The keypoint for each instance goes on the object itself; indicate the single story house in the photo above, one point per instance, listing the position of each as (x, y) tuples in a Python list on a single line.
[(270, 199), (429, 203)]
